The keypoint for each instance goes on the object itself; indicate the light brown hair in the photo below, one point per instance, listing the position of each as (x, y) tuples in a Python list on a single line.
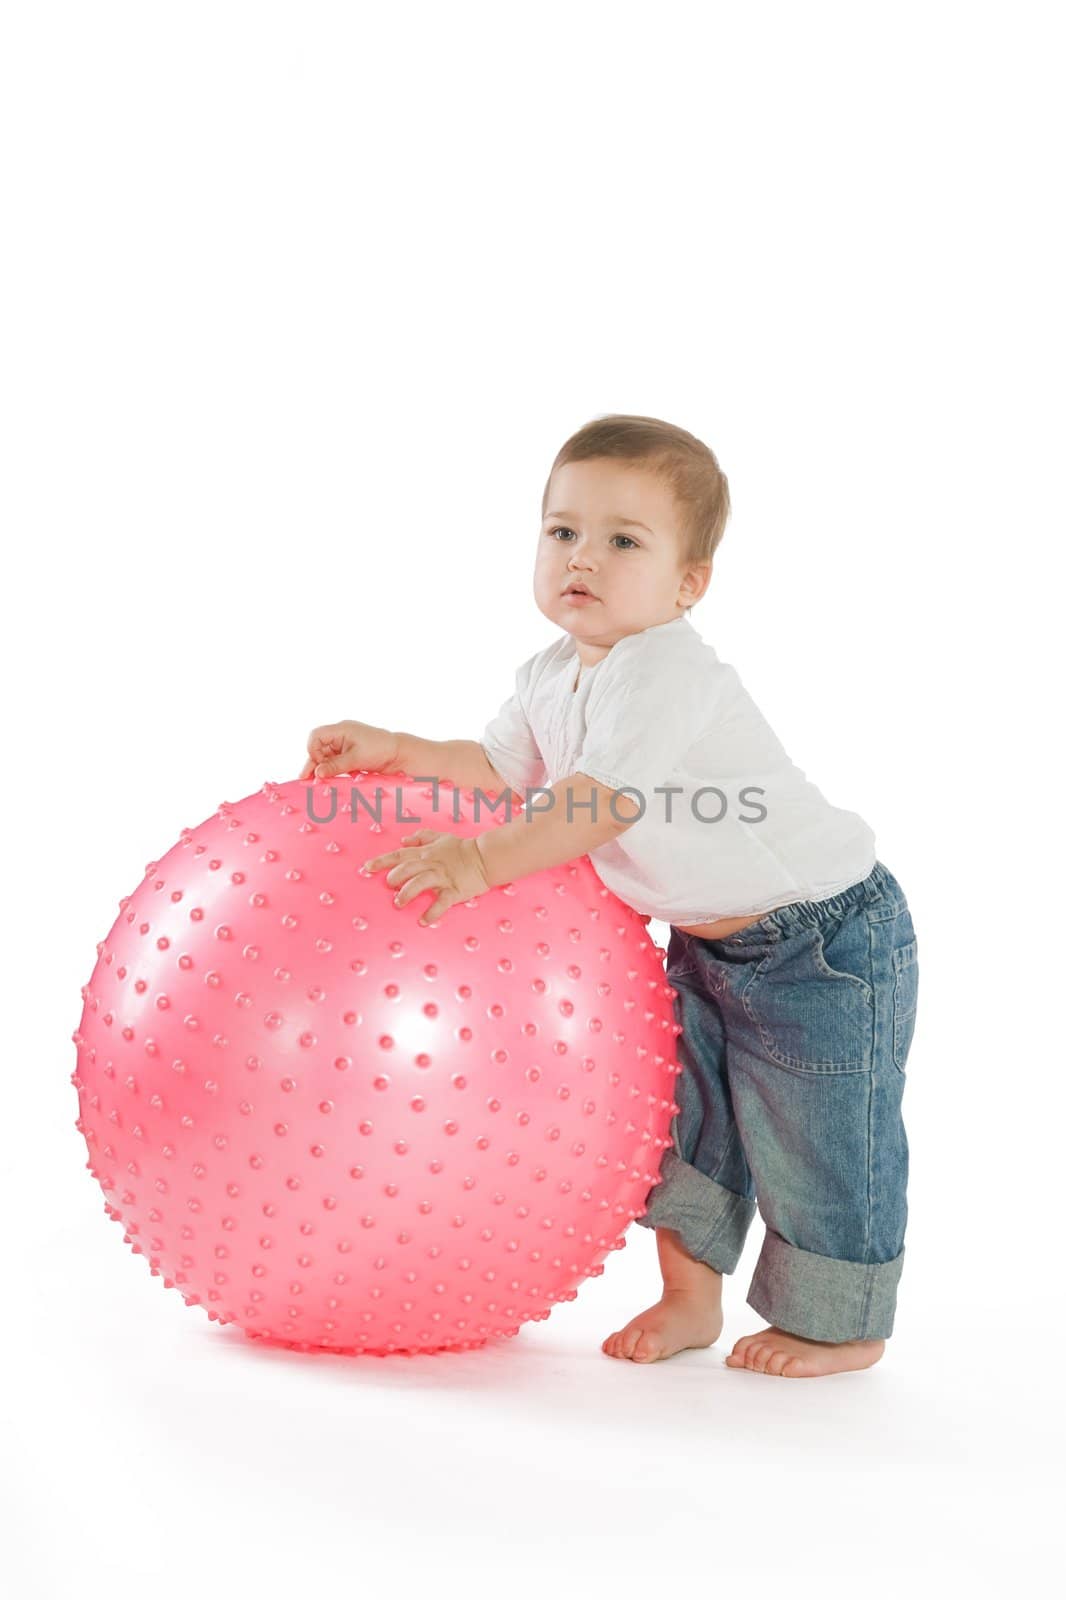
[(689, 468)]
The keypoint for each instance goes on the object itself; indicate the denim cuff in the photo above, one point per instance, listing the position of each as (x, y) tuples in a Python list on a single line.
[(819, 1297), (713, 1222)]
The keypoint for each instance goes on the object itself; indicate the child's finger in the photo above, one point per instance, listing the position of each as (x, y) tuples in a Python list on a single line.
[(390, 858), (406, 867), (443, 902), (415, 885)]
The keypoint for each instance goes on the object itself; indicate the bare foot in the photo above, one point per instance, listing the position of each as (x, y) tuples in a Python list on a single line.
[(689, 1315), (786, 1355), (681, 1320)]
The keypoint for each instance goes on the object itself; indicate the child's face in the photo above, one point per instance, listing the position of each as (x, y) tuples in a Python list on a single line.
[(632, 568)]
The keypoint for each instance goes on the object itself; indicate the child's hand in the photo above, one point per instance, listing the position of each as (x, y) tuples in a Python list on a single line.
[(349, 747), (450, 865)]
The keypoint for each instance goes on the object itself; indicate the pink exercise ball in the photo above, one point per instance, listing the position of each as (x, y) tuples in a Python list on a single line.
[(343, 1131)]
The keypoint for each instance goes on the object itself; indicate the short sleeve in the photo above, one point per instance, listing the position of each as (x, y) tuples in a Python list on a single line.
[(510, 745), (640, 728)]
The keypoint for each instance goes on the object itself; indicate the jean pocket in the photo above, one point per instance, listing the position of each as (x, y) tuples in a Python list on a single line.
[(904, 1000), (811, 1016)]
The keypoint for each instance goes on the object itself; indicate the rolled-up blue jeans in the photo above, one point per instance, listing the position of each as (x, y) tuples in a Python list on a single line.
[(794, 1040)]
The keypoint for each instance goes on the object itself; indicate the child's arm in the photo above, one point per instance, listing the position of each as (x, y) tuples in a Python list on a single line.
[(459, 761), (576, 818), (531, 841), (338, 747), (580, 819)]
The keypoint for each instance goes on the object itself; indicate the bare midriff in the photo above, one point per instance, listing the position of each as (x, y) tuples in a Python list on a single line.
[(722, 929)]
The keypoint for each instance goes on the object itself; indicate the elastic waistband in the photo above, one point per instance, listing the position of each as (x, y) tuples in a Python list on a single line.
[(879, 891)]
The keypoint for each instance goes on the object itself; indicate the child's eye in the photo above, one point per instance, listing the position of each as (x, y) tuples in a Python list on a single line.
[(553, 531)]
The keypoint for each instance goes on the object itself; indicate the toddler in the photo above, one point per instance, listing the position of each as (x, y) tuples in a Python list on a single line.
[(792, 952)]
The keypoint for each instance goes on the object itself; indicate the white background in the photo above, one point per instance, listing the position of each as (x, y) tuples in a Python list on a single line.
[(300, 302)]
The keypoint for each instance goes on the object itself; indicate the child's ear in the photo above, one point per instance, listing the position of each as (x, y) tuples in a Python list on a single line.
[(696, 581)]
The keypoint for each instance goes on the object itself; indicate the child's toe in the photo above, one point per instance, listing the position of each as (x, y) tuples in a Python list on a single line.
[(796, 1367)]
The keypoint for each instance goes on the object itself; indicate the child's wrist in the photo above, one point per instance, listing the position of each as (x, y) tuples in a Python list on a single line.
[(395, 762), (481, 859), (487, 850)]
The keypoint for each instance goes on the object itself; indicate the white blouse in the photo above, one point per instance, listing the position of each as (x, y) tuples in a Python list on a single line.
[(741, 831)]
